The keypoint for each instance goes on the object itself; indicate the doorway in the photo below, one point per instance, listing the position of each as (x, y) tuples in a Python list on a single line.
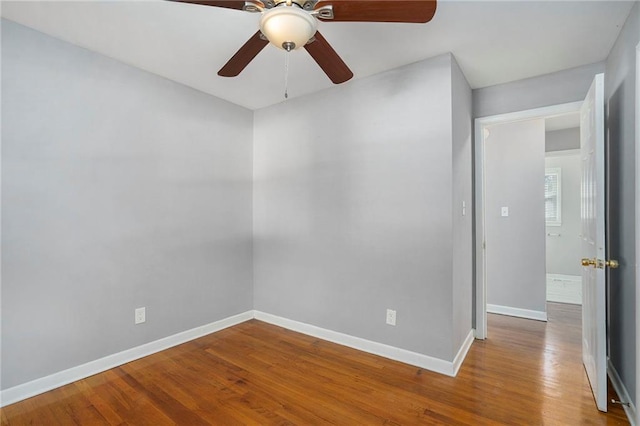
[(483, 131), (593, 253), (532, 201)]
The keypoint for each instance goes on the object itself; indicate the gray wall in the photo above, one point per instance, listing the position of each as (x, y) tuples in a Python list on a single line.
[(514, 178), (550, 89), (120, 189), (353, 207), (562, 140), (620, 90), (462, 193), (563, 251)]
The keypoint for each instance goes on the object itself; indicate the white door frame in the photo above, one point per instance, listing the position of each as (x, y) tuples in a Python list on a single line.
[(480, 125), (638, 234)]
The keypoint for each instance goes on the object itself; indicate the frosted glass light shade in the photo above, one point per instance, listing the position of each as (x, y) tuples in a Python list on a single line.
[(288, 24)]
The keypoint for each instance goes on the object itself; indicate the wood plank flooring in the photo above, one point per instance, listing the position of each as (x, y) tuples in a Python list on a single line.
[(526, 373)]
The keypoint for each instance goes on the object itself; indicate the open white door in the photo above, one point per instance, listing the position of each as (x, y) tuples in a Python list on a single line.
[(594, 338)]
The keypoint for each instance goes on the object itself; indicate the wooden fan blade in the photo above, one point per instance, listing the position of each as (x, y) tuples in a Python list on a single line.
[(243, 56), (228, 4), (418, 11), (328, 59)]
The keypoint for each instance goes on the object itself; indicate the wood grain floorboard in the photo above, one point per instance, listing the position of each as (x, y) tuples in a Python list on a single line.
[(526, 373)]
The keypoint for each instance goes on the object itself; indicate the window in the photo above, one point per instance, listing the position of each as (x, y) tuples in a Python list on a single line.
[(552, 196)]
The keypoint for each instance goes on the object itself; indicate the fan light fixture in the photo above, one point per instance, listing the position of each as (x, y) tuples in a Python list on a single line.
[(291, 24), (288, 27)]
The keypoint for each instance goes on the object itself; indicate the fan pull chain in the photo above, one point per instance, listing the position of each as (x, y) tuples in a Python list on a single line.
[(286, 74)]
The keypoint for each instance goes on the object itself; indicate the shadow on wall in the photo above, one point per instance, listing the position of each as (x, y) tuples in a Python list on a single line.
[(621, 239)]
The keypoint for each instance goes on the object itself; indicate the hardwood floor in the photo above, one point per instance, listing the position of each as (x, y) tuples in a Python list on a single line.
[(526, 373)]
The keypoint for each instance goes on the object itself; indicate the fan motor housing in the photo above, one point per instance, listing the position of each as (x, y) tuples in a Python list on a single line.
[(304, 4)]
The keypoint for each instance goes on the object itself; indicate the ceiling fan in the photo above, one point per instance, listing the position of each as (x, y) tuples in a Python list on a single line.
[(292, 24)]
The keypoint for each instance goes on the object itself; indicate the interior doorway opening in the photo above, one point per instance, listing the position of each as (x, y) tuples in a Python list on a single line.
[(495, 212), (532, 221)]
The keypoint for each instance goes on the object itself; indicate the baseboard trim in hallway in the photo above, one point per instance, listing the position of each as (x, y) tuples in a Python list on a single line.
[(517, 312)]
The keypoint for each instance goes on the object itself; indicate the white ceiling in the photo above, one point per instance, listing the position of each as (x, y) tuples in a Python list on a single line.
[(494, 42)]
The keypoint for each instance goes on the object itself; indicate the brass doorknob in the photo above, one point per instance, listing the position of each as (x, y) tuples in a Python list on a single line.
[(613, 264), (588, 262)]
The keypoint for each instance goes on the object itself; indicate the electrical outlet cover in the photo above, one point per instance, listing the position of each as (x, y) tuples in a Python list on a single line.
[(140, 315), (391, 317)]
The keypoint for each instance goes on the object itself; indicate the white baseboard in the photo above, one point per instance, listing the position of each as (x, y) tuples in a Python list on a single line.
[(462, 353), (61, 378), (517, 312), (621, 390), (408, 357)]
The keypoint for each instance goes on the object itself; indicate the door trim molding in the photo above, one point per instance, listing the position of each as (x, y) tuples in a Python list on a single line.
[(637, 231), (479, 192)]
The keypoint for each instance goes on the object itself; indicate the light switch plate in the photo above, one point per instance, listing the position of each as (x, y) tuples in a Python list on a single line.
[(505, 211)]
